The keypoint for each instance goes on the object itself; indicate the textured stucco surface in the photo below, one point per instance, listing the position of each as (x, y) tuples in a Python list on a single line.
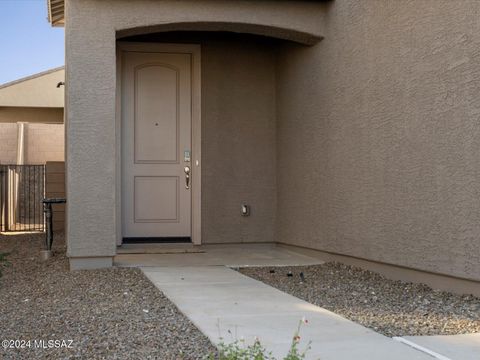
[(31, 114), (377, 126), (38, 90), (92, 139), (55, 188), (8, 143), (238, 141), (379, 135), (42, 143)]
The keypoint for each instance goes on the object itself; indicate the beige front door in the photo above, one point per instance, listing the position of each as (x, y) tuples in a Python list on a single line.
[(157, 144)]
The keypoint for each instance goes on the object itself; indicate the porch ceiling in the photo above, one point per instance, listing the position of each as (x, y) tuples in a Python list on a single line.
[(302, 37)]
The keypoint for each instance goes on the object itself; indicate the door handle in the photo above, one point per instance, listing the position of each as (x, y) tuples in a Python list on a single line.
[(186, 169)]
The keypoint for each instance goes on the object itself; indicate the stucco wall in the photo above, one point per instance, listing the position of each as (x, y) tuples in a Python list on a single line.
[(377, 125), (28, 114), (42, 143), (238, 141), (92, 146), (8, 143), (55, 188), (378, 135), (37, 91)]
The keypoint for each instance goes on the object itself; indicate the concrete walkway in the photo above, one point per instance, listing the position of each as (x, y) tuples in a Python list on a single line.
[(233, 255), (454, 347), (218, 299)]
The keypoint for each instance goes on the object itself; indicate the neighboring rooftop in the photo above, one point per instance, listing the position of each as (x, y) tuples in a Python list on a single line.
[(38, 90)]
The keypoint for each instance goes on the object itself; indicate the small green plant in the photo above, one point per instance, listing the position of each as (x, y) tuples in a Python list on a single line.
[(239, 350), (3, 259), (294, 353)]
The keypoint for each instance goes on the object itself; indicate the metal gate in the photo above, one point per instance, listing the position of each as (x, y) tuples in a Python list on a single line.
[(22, 189)]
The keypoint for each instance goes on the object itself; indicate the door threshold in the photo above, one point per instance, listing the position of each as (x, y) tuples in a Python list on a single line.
[(159, 248), (158, 240)]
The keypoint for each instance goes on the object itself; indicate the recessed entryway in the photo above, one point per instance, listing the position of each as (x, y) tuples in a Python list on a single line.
[(160, 141), (238, 138)]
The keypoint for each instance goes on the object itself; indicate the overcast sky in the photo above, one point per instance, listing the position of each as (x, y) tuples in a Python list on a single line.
[(28, 44)]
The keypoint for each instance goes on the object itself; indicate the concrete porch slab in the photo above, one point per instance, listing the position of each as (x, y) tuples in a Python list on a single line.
[(233, 255), (454, 347), (224, 303), (168, 248)]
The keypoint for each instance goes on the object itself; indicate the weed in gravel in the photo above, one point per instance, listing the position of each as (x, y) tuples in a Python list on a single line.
[(239, 350)]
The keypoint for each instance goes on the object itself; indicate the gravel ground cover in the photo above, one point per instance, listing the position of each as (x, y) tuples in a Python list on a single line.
[(109, 314), (392, 308)]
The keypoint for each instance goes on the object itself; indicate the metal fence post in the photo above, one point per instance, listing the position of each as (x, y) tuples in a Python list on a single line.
[(47, 208)]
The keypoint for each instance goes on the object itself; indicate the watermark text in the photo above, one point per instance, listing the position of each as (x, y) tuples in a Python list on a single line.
[(37, 344)]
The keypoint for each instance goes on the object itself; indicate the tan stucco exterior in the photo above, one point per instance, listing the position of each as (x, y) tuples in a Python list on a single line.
[(382, 120), (34, 106), (371, 132), (36, 91), (91, 61), (55, 188), (238, 141), (31, 114), (40, 143)]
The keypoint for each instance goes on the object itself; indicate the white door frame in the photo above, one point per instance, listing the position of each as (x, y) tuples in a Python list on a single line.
[(195, 51)]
